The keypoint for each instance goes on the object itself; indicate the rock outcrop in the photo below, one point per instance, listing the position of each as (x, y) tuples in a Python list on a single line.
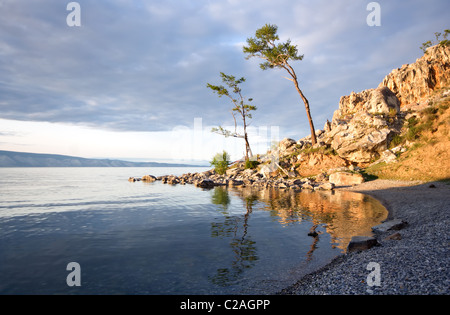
[(414, 83), (364, 124)]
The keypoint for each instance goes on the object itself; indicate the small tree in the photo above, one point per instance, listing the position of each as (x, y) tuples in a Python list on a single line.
[(240, 107), (220, 162), (264, 46), (443, 42)]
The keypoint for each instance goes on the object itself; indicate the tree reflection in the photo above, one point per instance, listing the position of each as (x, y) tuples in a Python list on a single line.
[(234, 227), (341, 214), (220, 196)]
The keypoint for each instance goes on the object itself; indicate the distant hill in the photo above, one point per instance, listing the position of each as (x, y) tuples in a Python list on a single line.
[(22, 159)]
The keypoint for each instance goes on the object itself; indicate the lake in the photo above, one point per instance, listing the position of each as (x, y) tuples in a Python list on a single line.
[(153, 238)]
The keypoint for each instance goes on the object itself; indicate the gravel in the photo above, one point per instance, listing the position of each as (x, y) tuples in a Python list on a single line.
[(417, 264)]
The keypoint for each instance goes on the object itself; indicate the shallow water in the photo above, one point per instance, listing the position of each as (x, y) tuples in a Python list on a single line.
[(151, 238)]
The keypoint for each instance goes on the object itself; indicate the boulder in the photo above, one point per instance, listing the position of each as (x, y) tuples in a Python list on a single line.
[(173, 180), (308, 186), (363, 125), (286, 143), (148, 178), (266, 170), (235, 183), (391, 225), (204, 183), (233, 171), (396, 236), (388, 157), (373, 101), (346, 179), (326, 186), (361, 243)]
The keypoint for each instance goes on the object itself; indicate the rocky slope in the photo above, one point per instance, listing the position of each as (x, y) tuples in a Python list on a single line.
[(401, 125)]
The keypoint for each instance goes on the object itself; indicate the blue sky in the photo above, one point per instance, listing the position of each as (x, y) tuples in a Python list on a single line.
[(130, 82)]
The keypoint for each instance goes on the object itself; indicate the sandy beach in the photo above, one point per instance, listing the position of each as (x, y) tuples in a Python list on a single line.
[(416, 261)]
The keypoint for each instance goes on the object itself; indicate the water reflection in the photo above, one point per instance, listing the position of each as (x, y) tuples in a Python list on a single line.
[(340, 214), (234, 227)]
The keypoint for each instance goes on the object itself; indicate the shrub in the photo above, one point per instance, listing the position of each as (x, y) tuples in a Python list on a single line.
[(251, 164), (220, 162), (396, 141)]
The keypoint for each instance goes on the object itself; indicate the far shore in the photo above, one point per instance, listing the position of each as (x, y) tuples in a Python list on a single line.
[(416, 261)]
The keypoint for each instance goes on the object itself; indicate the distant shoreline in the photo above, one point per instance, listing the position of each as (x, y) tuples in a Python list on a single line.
[(24, 159)]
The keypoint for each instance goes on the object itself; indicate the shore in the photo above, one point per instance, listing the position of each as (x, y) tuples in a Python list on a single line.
[(417, 263)]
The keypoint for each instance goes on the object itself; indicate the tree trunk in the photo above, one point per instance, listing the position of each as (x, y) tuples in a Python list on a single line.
[(247, 144), (291, 71), (308, 113)]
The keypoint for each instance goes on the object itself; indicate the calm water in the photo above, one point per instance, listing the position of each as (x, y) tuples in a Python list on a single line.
[(138, 238)]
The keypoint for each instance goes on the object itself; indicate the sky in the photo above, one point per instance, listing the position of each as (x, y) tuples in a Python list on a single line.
[(130, 81)]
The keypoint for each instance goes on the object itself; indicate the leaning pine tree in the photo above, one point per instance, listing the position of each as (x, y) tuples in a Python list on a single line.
[(277, 55), (240, 107)]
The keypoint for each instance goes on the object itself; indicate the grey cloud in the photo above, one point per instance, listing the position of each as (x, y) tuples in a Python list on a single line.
[(144, 65)]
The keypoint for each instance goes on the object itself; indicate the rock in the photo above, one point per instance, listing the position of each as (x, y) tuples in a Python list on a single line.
[(416, 82), (396, 224), (326, 186), (387, 157), (248, 172), (346, 179), (295, 187), (399, 149), (173, 180), (205, 183), (321, 177), (312, 232), (327, 126), (286, 143), (360, 143), (266, 170), (362, 126), (148, 178), (308, 186), (374, 101), (361, 243), (235, 183), (396, 236), (233, 171)]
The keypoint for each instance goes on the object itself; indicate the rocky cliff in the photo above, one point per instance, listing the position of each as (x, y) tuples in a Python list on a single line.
[(415, 83), (364, 126)]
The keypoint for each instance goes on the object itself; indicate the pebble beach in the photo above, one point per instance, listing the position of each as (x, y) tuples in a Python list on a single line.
[(416, 261)]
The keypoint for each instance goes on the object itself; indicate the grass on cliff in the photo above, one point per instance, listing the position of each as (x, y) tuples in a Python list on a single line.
[(428, 140)]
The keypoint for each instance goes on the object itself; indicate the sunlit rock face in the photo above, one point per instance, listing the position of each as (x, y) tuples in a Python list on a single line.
[(363, 125), (414, 83), (365, 122)]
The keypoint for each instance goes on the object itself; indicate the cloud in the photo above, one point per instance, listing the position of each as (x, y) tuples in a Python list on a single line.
[(142, 66)]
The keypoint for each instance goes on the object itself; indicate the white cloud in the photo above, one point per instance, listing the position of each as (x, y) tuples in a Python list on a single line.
[(142, 66)]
